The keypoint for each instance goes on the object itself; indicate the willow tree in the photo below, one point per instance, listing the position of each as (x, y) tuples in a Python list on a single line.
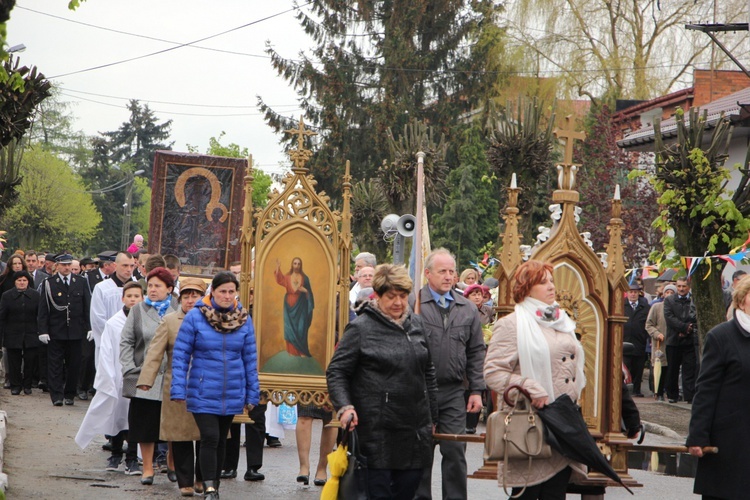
[(700, 215), (630, 50)]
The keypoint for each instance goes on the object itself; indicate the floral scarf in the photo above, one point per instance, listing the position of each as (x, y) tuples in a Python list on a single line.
[(222, 320), (161, 306)]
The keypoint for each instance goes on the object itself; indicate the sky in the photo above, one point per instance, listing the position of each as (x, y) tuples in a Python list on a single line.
[(203, 91)]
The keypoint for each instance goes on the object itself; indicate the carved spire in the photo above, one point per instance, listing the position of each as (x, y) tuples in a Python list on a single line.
[(616, 265), (246, 236), (300, 156), (510, 255), (566, 176)]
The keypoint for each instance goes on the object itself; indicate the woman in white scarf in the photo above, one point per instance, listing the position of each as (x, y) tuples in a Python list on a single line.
[(536, 347)]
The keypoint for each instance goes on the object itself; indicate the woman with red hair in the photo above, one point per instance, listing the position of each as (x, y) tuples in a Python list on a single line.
[(536, 347)]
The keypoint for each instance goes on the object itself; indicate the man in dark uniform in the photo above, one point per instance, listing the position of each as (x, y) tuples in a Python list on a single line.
[(105, 269), (63, 324)]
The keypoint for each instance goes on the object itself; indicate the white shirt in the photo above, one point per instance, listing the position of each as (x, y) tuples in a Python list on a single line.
[(105, 303), (353, 293)]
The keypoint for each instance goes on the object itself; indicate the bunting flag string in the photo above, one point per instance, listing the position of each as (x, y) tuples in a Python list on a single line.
[(692, 263)]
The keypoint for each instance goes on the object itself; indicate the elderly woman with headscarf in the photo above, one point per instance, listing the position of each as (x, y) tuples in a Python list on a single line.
[(177, 425), (215, 370), (536, 347), (19, 333), (144, 414)]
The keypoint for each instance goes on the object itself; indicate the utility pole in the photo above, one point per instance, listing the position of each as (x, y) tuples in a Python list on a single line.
[(125, 236)]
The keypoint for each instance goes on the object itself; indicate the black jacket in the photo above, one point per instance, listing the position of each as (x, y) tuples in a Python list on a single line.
[(634, 330), (93, 278), (679, 313), (719, 414), (384, 370), (18, 318), (72, 324)]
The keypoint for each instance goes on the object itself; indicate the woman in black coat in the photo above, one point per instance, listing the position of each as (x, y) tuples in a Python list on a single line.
[(722, 403), (19, 331), (382, 380)]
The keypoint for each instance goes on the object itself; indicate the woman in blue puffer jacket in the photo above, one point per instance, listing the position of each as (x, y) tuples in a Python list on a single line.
[(214, 369)]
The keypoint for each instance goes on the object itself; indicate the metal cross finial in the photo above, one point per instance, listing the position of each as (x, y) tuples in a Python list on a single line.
[(570, 135), (300, 132)]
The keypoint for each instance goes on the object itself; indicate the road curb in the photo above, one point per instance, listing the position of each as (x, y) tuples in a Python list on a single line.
[(3, 434), (661, 430)]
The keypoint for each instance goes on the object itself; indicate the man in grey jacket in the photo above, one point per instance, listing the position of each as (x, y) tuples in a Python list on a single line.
[(454, 335)]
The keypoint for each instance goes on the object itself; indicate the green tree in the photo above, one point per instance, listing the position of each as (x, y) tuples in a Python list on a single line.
[(469, 220), (382, 65), (261, 180), (53, 210), (138, 139), (22, 89), (699, 215)]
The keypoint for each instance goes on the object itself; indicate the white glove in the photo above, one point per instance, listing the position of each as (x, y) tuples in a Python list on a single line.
[(44, 338), (90, 335)]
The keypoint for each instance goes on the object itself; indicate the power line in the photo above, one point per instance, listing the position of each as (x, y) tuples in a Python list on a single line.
[(253, 106), (118, 106), (181, 45), (138, 35)]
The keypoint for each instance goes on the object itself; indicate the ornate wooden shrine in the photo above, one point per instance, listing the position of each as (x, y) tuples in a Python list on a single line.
[(302, 254), (590, 288)]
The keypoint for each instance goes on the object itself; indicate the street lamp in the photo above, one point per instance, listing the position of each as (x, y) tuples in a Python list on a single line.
[(17, 48), (126, 208)]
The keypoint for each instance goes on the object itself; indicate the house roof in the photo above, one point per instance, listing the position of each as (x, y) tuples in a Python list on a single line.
[(730, 106), (657, 102)]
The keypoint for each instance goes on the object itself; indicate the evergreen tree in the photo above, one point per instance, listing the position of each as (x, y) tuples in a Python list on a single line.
[(469, 220), (138, 139), (379, 65), (130, 148)]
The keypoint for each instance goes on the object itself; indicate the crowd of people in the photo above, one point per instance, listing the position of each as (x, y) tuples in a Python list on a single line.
[(170, 361)]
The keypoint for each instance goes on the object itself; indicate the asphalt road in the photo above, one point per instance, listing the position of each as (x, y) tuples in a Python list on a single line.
[(43, 462)]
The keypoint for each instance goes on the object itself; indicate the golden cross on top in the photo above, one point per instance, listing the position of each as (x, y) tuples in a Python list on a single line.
[(570, 135), (300, 133)]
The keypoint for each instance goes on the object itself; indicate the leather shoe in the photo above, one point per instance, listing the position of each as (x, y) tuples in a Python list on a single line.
[(172, 476), (672, 400), (273, 442), (319, 482), (638, 395), (147, 480), (15, 392), (254, 475), (228, 474), (83, 396), (57, 403), (27, 391), (69, 402)]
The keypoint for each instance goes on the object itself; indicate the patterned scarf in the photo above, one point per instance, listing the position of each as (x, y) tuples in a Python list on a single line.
[(222, 320), (161, 306)]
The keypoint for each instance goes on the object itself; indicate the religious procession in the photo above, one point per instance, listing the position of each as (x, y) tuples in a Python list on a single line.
[(467, 252)]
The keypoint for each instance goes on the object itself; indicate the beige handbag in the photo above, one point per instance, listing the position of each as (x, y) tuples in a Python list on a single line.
[(515, 433)]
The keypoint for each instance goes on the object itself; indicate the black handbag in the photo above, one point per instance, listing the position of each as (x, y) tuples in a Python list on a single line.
[(353, 484)]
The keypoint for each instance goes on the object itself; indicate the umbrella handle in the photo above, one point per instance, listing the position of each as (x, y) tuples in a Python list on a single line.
[(519, 389)]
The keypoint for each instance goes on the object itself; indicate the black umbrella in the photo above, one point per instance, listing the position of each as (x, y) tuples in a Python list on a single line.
[(568, 434)]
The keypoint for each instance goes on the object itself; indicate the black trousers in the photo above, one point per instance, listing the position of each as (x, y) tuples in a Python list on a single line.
[(391, 484), (186, 463), (635, 365), (553, 488), (88, 372), (20, 366), (255, 434), (681, 356), (63, 362), (213, 429), (118, 442), (41, 369)]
